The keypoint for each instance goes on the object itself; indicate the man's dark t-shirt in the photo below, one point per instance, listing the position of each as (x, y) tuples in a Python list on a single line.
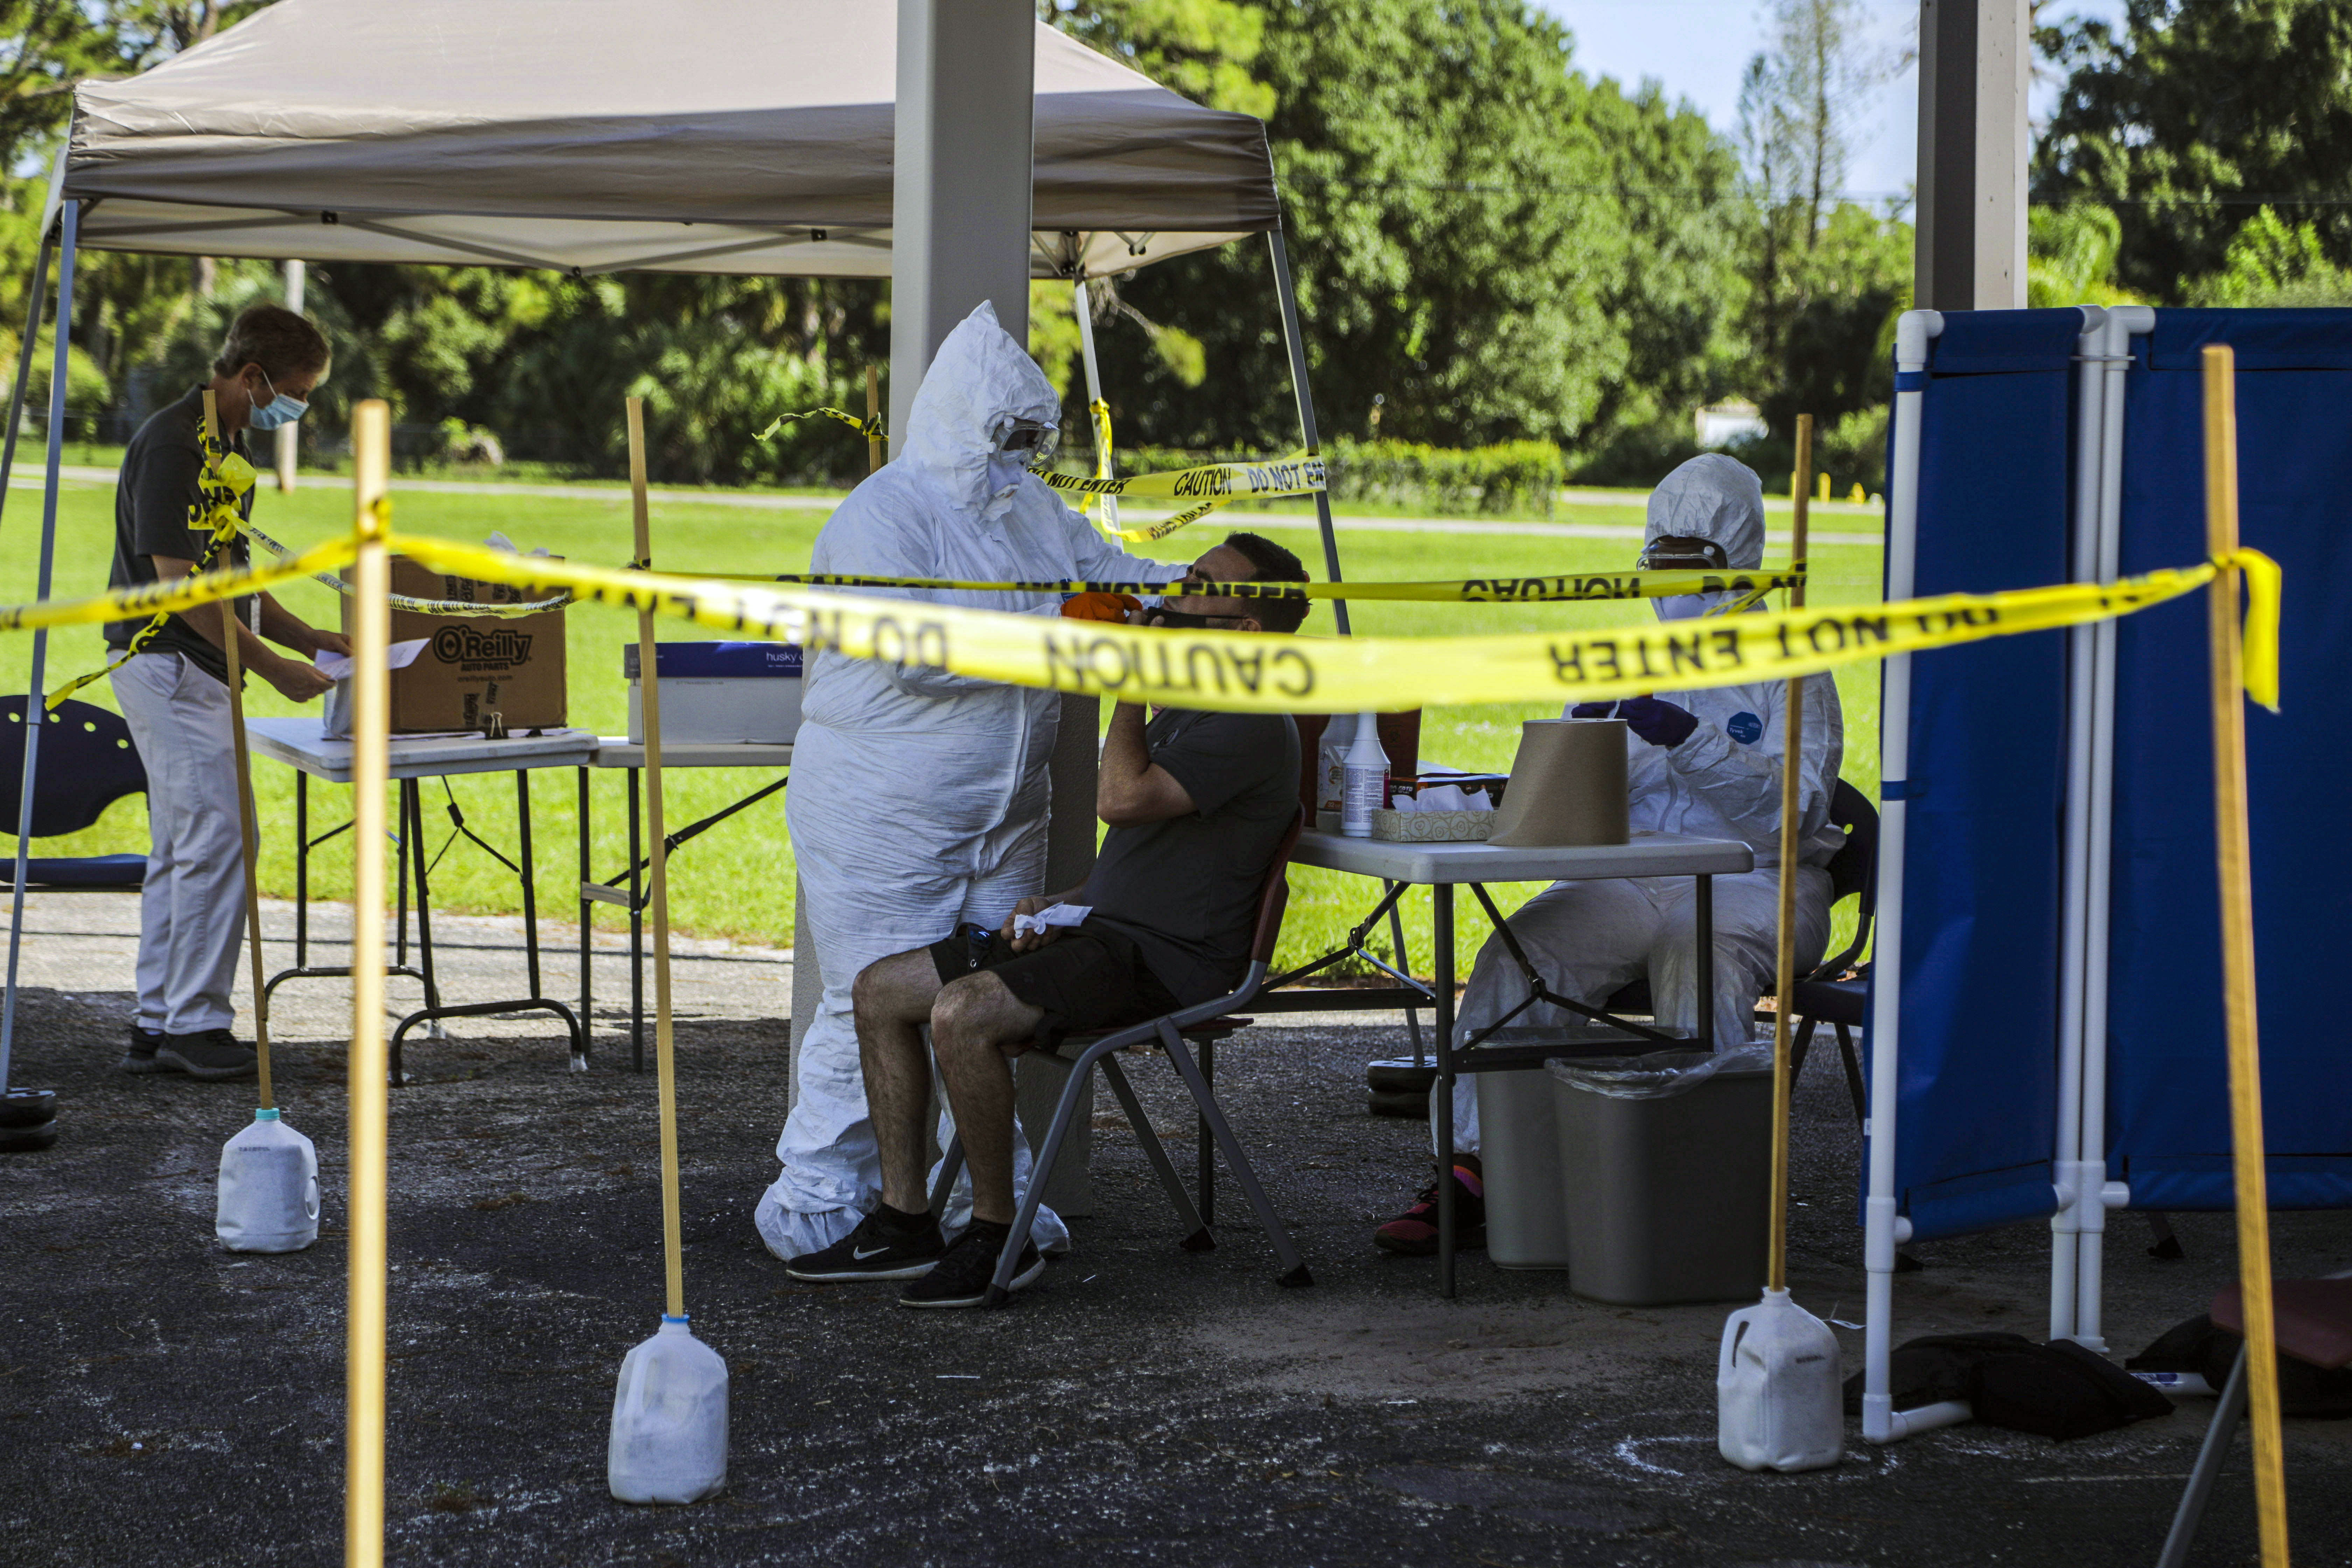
[(158, 495), (1185, 889)]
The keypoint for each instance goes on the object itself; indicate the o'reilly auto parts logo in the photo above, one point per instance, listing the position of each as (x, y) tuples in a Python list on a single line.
[(469, 648)]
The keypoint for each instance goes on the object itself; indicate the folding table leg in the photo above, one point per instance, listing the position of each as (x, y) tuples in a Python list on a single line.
[(637, 934), (587, 928), (1197, 1238), (1294, 1267), (1704, 981), (2193, 1498), (1440, 1110)]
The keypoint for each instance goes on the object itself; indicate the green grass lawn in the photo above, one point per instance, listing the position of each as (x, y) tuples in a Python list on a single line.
[(737, 880)]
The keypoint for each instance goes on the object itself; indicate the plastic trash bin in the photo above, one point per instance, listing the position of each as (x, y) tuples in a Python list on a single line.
[(1665, 1194), (1519, 1148), (1518, 1159)]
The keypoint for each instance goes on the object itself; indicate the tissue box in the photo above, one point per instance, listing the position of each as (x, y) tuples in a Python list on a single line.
[(1433, 826), (719, 692)]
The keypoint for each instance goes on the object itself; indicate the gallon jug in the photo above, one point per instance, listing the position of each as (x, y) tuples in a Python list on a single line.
[(669, 1420), (269, 1189), (1780, 1403)]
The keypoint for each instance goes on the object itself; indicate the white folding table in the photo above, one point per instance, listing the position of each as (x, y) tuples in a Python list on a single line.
[(1442, 868), (301, 744)]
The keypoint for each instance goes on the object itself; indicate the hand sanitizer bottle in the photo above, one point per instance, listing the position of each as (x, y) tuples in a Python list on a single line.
[(1367, 779)]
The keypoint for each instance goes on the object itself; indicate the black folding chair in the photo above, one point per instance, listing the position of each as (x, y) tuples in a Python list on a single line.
[(88, 763), (1826, 996), (1204, 1024)]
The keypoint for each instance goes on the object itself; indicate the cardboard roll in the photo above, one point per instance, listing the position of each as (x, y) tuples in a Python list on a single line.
[(25, 1140), (1400, 1074), (26, 1107), (1400, 1102)]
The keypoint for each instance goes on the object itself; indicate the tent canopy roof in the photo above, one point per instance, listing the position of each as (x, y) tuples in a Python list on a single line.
[(742, 136)]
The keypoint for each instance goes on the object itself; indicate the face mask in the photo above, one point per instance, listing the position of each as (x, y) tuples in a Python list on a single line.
[(1684, 606), (1178, 620), (279, 410)]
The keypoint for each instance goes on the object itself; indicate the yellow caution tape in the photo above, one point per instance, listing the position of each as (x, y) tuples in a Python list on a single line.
[(1107, 507), (402, 601), (871, 429), (1241, 672), (1560, 589), (179, 594), (1213, 484)]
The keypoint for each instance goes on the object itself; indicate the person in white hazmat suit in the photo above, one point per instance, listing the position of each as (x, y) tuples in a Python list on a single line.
[(1706, 764), (919, 797)]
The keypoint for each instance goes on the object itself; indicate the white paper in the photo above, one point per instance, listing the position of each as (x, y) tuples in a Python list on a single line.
[(400, 656), (1052, 915)]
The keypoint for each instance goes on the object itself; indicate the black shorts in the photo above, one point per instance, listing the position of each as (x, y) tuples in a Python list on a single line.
[(1090, 979)]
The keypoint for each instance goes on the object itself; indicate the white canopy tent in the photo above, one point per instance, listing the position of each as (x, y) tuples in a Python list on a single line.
[(593, 136), (739, 136)]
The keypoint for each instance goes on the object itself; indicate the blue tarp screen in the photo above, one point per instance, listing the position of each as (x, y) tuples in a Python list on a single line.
[(2167, 1094), (1985, 783), (1986, 777)]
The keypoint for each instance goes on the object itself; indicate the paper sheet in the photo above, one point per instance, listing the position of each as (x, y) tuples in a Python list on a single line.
[(1052, 915), (400, 656)]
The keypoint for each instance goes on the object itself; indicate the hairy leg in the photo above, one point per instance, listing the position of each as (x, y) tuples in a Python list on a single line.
[(893, 998), (972, 1023)]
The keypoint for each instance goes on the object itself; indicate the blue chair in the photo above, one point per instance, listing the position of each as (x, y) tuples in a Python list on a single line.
[(88, 763), (1826, 996)]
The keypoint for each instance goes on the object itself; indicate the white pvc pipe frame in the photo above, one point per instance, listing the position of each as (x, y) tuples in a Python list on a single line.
[(2081, 1189)]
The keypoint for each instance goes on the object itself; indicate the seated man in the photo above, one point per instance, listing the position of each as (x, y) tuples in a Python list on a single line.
[(1197, 805), (1703, 763)]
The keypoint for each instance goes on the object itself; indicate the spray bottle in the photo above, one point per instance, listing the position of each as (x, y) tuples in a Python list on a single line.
[(1367, 788)]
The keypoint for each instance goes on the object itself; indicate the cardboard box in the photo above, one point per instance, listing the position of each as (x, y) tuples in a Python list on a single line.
[(473, 666), (720, 693)]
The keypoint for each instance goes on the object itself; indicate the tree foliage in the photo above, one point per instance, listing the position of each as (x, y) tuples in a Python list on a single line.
[(2197, 117)]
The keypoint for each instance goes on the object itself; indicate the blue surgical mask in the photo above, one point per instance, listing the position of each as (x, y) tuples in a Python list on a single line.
[(279, 410)]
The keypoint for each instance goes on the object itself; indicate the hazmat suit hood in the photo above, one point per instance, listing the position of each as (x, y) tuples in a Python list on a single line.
[(1713, 498), (979, 381)]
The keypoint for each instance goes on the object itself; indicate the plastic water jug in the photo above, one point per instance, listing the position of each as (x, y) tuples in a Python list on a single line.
[(669, 1420), (1780, 1400), (269, 1189)]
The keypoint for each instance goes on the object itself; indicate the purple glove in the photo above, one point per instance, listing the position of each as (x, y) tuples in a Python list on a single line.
[(1660, 723)]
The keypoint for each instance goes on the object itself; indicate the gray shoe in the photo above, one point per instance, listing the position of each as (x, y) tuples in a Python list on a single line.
[(213, 1053), (141, 1057)]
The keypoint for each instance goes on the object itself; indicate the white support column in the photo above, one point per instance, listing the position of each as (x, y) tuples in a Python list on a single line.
[(1975, 62), (297, 275), (960, 197)]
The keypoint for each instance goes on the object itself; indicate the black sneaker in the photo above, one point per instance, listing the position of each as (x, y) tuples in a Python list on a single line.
[(211, 1054), (141, 1057), (960, 1278), (877, 1249)]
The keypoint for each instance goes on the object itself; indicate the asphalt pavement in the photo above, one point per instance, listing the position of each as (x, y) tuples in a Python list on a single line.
[(162, 1401)]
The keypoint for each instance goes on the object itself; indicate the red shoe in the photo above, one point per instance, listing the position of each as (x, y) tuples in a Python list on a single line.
[(1414, 1233)]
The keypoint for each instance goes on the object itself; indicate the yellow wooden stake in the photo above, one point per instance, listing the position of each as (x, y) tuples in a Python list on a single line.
[(371, 765), (2234, 855), (649, 700), (248, 824), (874, 413), (1792, 720)]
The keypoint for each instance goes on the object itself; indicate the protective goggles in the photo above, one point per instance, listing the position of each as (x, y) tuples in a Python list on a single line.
[(1682, 555), (1032, 441)]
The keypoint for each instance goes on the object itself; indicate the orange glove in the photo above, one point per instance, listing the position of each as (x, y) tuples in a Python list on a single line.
[(1101, 607)]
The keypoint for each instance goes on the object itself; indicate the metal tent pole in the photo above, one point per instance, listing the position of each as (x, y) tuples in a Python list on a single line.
[(1288, 293), (1106, 465), (34, 711), (25, 364)]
